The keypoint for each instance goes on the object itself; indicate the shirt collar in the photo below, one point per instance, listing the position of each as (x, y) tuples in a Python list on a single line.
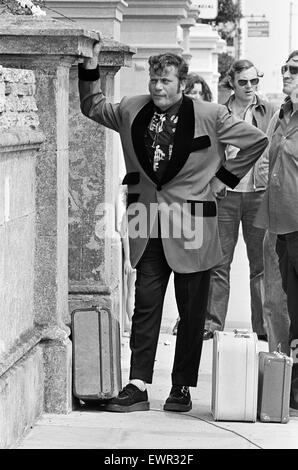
[(256, 102), (286, 107)]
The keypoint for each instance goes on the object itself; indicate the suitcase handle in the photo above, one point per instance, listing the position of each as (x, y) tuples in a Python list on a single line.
[(279, 353), (86, 309), (241, 333)]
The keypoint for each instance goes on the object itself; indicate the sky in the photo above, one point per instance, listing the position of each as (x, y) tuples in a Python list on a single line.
[(295, 25), (276, 8), (268, 53)]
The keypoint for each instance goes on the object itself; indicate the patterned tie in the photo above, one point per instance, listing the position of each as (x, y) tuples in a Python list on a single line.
[(161, 136)]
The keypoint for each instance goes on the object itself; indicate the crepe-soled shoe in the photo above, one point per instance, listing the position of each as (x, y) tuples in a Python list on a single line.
[(179, 399), (130, 398)]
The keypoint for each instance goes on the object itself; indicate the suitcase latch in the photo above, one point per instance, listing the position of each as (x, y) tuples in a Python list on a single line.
[(241, 333)]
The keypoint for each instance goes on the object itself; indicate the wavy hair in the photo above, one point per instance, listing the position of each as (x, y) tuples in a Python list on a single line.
[(293, 54), (237, 67), (194, 78), (159, 62)]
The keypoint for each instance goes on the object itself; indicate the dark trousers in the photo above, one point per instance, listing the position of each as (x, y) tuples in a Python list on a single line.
[(191, 291), (275, 308), (287, 250)]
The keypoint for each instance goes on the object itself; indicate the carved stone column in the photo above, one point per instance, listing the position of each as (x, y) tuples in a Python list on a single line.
[(152, 29), (105, 16), (186, 24), (94, 244), (205, 45)]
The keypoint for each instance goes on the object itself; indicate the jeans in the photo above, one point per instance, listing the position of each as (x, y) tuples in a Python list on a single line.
[(275, 309), (237, 207)]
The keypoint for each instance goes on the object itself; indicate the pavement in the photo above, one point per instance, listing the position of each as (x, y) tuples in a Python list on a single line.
[(91, 428), (94, 428)]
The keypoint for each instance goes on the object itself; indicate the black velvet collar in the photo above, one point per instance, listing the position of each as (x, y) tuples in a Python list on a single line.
[(138, 129), (182, 141)]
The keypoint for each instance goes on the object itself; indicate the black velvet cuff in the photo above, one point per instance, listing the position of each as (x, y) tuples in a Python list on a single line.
[(227, 177), (88, 75)]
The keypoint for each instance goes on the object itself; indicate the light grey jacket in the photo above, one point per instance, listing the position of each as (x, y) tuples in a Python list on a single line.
[(189, 229)]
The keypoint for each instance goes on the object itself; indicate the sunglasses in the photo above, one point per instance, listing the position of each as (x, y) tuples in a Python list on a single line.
[(253, 81), (293, 69)]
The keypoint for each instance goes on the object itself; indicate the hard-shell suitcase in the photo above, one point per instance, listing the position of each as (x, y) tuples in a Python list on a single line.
[(96, 354), (275, 370), (234, 376)]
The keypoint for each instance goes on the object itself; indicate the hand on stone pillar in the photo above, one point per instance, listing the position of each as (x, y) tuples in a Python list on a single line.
[(93, 63)]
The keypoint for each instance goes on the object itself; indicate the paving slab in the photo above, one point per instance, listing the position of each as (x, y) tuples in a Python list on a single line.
[(93, 428), (156, 429)]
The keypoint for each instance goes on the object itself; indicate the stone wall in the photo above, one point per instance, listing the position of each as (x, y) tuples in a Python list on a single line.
[(95, 263), (35, 350), (17, 102), (21, 361)]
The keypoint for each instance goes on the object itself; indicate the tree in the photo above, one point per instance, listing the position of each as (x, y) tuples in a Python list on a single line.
[(224, 62), (227, 25), (228, 11), (227, 20)]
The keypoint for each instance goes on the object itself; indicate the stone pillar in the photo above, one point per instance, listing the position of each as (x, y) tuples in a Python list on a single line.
[(51, 279), (95, 274), (186, 24), (151, 29), (49, 48), (205, 45), (100, 15), (95, 246)]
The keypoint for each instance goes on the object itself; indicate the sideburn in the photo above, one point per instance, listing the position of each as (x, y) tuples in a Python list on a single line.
[(181, 86)]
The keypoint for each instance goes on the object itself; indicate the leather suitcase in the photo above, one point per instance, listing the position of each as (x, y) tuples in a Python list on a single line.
[(96, 354), (234, 376), (275, 370)]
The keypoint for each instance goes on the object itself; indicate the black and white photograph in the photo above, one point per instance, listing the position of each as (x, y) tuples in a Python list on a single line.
[(148, 220)]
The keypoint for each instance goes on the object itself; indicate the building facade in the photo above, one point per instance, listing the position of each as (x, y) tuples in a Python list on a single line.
[(265, 39)]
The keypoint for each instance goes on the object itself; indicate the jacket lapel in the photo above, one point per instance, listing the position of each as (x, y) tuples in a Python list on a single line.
[(138, 130), (182, 141)]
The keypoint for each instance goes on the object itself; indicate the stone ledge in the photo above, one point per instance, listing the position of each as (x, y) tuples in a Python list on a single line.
[(25, 40), (22, 346), (44, 36), (18, 139), (19, 409), (114, 53), (76, 6), (41, 26), (28, 340)]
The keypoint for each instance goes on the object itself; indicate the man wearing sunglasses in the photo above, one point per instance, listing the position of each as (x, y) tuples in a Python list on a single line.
[(279, 209), (240, 205)]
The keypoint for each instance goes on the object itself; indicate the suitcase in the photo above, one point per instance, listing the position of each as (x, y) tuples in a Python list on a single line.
[(96, 354), (275, 370), (234, 376)]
